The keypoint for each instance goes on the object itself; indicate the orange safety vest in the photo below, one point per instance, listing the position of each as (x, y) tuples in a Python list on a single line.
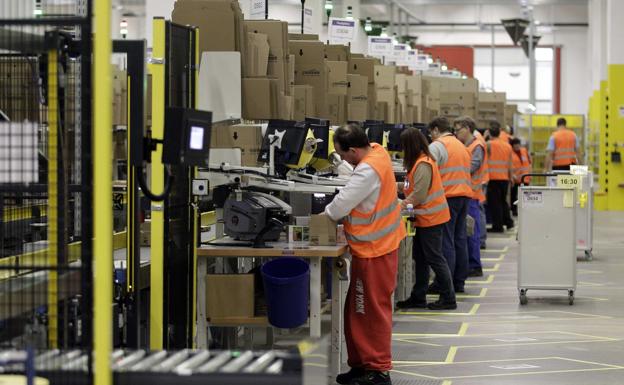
[(521, 165), (565, 148), (455, 172), (478, 178), (499, 161), (379, 231), (434, 210), (480, 138), (504, 136)]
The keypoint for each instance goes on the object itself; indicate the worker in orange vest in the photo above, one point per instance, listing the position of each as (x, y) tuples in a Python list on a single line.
[(499, 165), (464, 127), (453, 160), (423, 190), (505, 132), (370, 212), (564, 148), (521, 165)]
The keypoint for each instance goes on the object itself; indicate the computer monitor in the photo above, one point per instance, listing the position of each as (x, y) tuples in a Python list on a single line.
[(290, 140), (375, 131), (187, 136), (320, 129), (394, 136)]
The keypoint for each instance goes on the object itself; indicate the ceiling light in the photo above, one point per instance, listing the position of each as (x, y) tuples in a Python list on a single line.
[(368, 26)]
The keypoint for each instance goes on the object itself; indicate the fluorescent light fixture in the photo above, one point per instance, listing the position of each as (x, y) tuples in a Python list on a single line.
[(384, 32), (444, 67), (329, 5), (350, 12), (429, 60), (368, 26), (38, 12)]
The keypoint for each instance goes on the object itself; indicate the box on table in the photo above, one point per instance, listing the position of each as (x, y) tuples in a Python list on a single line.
[(229, 295), (323, 231)]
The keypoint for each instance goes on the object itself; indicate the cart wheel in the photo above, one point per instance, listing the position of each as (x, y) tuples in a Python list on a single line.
[(589, 255), (523, 297), (571, 297)]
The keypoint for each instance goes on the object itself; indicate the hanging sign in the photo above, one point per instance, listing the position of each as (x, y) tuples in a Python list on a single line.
[(307, 20), (341, 31), (380, 46), (400, 54)]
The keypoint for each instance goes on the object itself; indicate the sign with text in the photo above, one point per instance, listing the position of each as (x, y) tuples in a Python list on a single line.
[(532, 198), (380, 46), (575, 181), (341, 31), (400, 54), (257, 9)]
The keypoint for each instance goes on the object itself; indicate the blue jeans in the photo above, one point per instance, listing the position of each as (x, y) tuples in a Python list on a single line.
[(427, 253), (474, 241), (455, 242)]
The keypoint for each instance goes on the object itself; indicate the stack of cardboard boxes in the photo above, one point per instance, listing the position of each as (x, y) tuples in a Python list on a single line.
[(414, 98), (430, 98), (310, 70), (359, 65), (491, 107), (385, 93), (459, 97), (337, 91)]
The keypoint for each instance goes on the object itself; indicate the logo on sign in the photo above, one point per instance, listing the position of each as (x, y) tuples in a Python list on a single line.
[(343, 23)]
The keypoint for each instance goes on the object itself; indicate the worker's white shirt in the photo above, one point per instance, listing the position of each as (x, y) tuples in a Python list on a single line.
[(360, 193), (438, 151)]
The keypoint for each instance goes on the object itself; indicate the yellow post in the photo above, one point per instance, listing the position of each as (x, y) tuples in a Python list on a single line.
[(157, 70), (52, 260), (615, 130), (195, 218), (102, 193)]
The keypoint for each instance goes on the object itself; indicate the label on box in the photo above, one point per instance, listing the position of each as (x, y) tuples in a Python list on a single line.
[(399, 54), (307, 20), (380, 46), (341, 31), (532, 198), (258, 9)]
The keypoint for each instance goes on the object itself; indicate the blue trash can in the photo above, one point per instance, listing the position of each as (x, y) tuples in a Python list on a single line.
[(287, 291)]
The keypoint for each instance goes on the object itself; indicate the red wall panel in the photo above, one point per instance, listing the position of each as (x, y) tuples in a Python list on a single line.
[(455, 56)]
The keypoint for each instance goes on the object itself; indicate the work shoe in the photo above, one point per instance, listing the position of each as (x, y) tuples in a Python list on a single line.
[(346, 378), (373, 378), (510, 226), (483, 247), (476, 272), (493, 230), (411, 303), (441, 305)]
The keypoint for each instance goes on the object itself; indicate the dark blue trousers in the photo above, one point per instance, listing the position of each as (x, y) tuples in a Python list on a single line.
[(474, 242), (455, 241)]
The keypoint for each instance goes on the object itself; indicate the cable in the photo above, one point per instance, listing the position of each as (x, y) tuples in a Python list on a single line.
[(148, 193)]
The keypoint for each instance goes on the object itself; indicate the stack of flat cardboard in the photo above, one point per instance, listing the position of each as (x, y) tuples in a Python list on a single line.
[(337, 52), (459, 97), (268, 94), (385, 93), (359, 65), (491, 107), (430, 98)]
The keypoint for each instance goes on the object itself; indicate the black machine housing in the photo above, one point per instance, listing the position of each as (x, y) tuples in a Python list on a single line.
[(247, 217)]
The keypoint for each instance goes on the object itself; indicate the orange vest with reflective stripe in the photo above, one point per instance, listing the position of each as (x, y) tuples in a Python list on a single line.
[(565, 148), (378, 232), (455, 172), (478, 178), (499, 160), (521, 165), (434, 210), (480, 138)]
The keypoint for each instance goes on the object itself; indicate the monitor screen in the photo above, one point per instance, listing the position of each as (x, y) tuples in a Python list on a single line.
[(320, 128), (394, 136), (196, 141), (290, 136), (374, 131), (187, 136)]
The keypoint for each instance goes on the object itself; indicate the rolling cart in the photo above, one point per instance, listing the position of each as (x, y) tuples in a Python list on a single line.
[(547, 228)]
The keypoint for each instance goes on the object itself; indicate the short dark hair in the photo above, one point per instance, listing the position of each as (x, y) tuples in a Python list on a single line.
[(514, 141), (414, 144), (495, 131), (495, 124), (465, 121), (441, 123), (562, 122), (351, 135)]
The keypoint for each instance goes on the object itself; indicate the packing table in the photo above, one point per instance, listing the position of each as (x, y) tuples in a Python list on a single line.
[(315, 255)]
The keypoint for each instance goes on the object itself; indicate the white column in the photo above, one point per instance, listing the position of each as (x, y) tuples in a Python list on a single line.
[(156, 8), (615, 32), (597, 15)]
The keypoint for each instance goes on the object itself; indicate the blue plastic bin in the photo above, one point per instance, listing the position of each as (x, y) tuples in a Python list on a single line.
[(287, 291)]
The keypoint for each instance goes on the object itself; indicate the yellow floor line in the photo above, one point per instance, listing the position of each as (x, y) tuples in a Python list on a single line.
[(472, 311), (447, 382), (489, 279), (416, 342), (315, 365), (533, 373), (497, 259), (503, 250), (495, 268), (463, 329), (450, 357), (590, 362)]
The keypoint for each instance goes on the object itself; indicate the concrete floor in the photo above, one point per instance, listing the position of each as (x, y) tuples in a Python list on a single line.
[(492, 339)]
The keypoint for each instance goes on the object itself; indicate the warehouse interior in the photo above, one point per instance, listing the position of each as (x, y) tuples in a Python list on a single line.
[(307, 192)]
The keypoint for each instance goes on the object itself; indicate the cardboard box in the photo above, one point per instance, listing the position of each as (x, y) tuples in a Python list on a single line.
[(290, 73), (363, 66), (277, 35), (303, 102), (357, 98), (238, 136), (281, 104), (303, 36), (382, 111), (310, 70), (257, 60), (357, 112), (220, 23), (400, 81), (229, 295), (384, 77), (337, 83), (337, 52), (492, 97), (277, 70), (322, 231), (256, 98), (337, 109), (372, 102)]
